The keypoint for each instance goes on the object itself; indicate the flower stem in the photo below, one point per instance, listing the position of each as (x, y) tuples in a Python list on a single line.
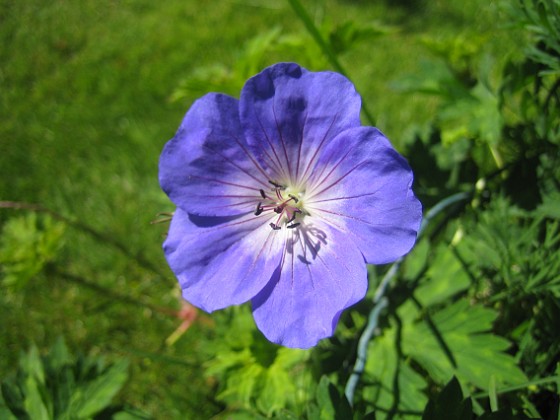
[(380, 301), (325, 47)]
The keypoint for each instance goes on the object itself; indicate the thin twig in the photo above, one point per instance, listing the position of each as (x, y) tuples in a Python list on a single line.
[(114, 296)]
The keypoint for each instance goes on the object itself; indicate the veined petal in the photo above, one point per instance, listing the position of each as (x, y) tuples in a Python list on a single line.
[(364, 189), (221, 261), (322, 274), (289, 114), (206, 169)]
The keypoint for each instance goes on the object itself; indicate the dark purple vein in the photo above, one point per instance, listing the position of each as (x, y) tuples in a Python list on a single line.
[(282, 140), (314, 193), (301, 138), (316, 153), (232, 163), (278, 164), (344, 198)]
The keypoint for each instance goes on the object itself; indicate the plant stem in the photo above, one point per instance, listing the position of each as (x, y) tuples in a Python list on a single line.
[(380, 301), (325, 47)]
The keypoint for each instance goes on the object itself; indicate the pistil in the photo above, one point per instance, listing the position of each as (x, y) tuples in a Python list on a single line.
[(285, 207)]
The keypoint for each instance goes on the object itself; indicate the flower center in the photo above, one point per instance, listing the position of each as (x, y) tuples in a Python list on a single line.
[(286, 202)]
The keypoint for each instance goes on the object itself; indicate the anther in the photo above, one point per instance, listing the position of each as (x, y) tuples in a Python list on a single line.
[(293, 197), (293, 225), (263, 195), (274, 227), (278, 210), (259, 209), (277, 185)]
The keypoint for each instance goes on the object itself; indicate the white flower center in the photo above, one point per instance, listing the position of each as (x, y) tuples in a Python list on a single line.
[(286, 201)]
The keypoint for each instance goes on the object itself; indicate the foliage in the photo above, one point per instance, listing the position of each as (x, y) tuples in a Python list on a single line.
[(60, 385), (254, 373), (26, 245)]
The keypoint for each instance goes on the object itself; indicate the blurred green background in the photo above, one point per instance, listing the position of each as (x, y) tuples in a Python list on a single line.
[(90, 91)]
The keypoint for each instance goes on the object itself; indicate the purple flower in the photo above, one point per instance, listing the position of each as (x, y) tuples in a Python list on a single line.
[(282, 198)]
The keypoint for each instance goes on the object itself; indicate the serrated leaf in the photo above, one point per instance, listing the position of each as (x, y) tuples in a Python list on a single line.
[(393, 381), (445, 278), (27, 243), (478, 353), (254, 373), (416, 260), (276, 388)]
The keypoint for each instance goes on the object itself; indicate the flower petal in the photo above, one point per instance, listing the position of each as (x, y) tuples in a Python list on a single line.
[(206, 168), (322, 274), (363, 187), (289, 114), (221, 261)]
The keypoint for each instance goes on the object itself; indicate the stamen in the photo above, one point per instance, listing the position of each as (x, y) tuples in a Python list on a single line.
[(259, 209), (283, 204), (277, 185), (274, 227)]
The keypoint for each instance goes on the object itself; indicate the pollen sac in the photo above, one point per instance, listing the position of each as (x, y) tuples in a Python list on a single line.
[(259, 209), (274, 227)]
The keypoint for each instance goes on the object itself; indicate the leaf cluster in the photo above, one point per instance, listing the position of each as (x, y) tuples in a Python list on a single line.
[(62, 386), (27, 244)]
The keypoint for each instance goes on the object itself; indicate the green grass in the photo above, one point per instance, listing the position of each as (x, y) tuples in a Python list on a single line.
[(85, 111)]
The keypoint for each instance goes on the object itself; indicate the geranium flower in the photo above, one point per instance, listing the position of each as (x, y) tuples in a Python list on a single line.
[(282, 198)]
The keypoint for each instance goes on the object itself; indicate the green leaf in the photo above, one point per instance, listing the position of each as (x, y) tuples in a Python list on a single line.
[(6, 414), (97, 394), (59, 355), (13, 397), (254, 373), (34, 404), (275, 389), (391, 380), (449, 404), (32, 364), (503, 414), (478, 353), (130, 414), (345, 36), (444, 279), (27, 243), (332, 405)]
